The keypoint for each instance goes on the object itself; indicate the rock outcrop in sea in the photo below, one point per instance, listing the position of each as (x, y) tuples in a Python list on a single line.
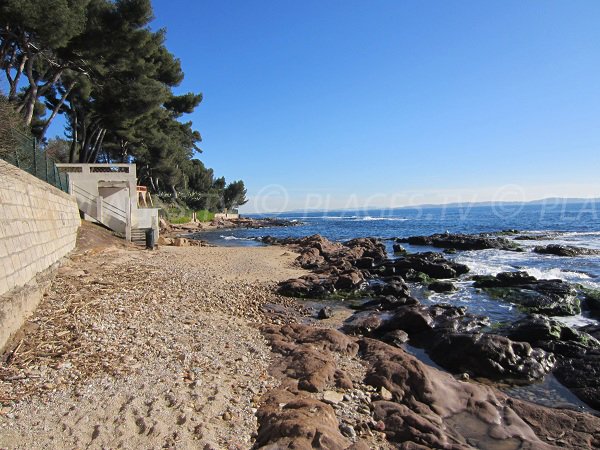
[(460, 342)]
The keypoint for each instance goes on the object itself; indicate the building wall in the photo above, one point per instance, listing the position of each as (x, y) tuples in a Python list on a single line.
[(38, 227)]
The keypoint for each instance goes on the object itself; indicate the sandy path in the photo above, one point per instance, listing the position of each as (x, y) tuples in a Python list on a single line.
[(137, 349)]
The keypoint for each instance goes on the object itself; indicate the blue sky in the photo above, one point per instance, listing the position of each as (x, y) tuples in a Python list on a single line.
[(329, 104)]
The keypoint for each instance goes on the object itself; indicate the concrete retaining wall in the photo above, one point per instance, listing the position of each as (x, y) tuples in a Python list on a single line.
[(38, 227)]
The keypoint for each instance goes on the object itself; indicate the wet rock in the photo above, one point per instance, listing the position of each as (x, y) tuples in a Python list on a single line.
[(325, 313), (441, 286), (395, 287), (350, 280), (389, 302), (565, 250), (310, 286), (591, 299), (504, 279), (399, 249), (551, 335), (418, 277), (432, 264), (364, 323), (591, 329), (413, 320), (491, 356), (433, 410), (364, 263), (396, 337), (463, 241), (551, 297), (581, 375), (577, 353)]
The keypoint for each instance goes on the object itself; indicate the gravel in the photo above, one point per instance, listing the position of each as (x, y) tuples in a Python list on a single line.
[(135, 349)]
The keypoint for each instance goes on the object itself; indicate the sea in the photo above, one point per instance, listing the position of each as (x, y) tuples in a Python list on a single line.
[(568, 223), (552, 222)]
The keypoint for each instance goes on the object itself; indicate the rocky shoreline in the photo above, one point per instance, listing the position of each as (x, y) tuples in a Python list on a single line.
[(463, 343), (194, 347), (171, 231)]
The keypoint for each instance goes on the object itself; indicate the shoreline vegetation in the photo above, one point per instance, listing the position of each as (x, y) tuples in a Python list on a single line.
[(198, 347)]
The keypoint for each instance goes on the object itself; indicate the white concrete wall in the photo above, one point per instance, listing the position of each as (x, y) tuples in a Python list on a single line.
[(38, 227), (146, 218)]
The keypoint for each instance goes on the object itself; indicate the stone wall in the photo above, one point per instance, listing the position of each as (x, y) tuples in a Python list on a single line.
[(38, 227)]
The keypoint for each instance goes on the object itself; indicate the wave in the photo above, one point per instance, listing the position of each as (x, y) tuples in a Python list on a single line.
[(496, 263), (363, 218), (576, 321), (234, 238), (555, 273), (391, 219), (581, 233), (337, 217)]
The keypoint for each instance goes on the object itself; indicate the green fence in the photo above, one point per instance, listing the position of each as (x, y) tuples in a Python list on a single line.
[(29, 158)]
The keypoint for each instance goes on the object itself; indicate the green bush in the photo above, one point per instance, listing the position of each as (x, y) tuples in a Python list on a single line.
[(205, 215), (180, 219)]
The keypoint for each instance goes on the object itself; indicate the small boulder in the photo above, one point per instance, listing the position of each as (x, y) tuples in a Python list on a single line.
[(565, 250), (325, 313), (442, 286), (332, 397), (398, 249)]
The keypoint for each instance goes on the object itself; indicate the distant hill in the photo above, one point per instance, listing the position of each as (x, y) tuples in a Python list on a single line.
[(543, 201)]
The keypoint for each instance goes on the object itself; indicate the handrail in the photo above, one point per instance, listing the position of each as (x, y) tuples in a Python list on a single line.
[(118, 212), (115, 210), (116, 215), (84, 193)]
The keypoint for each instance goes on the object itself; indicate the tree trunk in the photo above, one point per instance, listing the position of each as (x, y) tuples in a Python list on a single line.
[(32, 92), (56, 109), (73, 137), (152, 184), (97, 146)]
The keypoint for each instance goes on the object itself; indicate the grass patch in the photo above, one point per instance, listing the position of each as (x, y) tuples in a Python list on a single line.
[(180, 220), (205, 215)]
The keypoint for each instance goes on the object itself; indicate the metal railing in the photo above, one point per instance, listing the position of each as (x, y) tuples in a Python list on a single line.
[(104, 205), (28, 157)]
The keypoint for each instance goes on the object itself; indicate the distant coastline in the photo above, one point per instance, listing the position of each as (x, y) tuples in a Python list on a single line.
[(488, 203)]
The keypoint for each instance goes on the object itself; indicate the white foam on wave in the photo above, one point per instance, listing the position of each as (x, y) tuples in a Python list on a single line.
[(234, 238), (391, 219), (577, 321), (581, 233), (485, 262), (555, 273), (338, 217)]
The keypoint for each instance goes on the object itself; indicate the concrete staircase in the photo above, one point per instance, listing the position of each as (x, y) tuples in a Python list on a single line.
[(100, 210), (138, 235)]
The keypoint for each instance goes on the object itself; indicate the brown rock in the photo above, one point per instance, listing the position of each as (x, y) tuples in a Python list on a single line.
[(332, 397)]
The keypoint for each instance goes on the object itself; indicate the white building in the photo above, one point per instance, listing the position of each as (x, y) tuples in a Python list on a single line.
[(107, 193)]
